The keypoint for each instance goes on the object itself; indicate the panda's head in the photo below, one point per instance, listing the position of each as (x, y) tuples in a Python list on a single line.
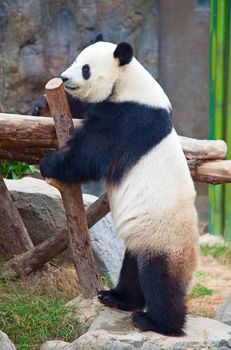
[(93, 74)]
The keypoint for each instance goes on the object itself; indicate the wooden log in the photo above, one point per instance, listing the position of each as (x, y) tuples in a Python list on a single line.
[(203, 149), (14, 238), (18, 131), (57, 243), (79, 238), (215, 172), (26, 155)]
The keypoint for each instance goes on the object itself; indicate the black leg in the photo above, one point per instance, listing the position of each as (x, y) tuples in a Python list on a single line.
[(127, 295), (164, 298)]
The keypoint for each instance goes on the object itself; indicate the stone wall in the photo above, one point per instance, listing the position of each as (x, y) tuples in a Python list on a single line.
[(39, 39)]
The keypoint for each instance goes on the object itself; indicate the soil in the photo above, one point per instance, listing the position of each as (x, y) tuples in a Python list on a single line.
[(216, 277)]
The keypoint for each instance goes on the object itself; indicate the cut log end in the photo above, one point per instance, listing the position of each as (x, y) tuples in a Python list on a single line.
[(54, 83)]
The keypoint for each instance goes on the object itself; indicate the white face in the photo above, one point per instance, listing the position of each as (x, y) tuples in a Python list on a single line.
[(93, 74)]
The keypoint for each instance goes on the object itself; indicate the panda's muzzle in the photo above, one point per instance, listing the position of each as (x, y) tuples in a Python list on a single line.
[(71, 88), (65, 81)]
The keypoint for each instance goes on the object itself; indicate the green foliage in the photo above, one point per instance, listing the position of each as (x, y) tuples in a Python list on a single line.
[(200, 291), (16, 170), (106, 281), (221, 252), (30, 317), (200, 274)]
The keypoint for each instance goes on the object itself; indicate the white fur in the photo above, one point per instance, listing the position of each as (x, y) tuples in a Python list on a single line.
[(154, 205)]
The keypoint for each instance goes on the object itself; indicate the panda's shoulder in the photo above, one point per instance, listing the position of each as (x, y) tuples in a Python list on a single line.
[(132, 114)]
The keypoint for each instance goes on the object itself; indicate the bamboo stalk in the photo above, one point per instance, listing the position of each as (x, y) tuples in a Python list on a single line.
[(213, 19), (219, 9), (227, 228)]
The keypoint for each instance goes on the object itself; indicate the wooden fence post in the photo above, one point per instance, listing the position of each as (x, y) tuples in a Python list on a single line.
[(14, 238), (79, 239)]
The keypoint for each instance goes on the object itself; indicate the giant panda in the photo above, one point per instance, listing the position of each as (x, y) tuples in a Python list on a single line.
[(127, 138)]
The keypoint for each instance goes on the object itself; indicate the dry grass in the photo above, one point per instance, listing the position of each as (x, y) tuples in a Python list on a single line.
[(54, 280), (62, 281), (215, 276)]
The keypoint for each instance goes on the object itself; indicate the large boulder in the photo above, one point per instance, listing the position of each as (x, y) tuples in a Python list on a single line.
[(5, 342), (113, 330), (41, 208), (39, 39), (224, 312)]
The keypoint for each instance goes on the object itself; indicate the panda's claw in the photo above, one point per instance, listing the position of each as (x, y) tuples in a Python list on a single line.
[(110, 299)]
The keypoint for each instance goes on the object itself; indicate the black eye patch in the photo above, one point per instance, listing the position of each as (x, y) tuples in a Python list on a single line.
[(86, 71)]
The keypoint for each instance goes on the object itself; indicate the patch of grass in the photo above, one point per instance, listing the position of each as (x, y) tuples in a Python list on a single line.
[(200, 274), (200, 291), (106, 281), (13, 169), (220, 252), (30, 317)]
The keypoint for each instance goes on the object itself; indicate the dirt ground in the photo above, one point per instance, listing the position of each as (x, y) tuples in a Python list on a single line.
[(213, 275)]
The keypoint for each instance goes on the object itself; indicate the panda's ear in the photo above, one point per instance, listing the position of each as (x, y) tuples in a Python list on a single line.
[(99, 37), (124, 53)]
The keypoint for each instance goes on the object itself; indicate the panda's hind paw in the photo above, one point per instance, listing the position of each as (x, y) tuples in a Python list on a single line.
[(111, 299), (142, 321)]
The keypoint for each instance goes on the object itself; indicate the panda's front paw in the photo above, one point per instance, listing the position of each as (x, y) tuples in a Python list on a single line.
[(50, 165)]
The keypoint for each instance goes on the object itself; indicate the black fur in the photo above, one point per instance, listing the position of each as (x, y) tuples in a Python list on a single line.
[(146, 281), (127, 295), (112, 140), (124, 53), (86, 73), (164, 297), (99, 37)]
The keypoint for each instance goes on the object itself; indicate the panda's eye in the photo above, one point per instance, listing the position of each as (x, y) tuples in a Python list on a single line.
[(86, 71)]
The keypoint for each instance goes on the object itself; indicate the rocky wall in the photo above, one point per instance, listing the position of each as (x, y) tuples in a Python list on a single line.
[(40, 38)]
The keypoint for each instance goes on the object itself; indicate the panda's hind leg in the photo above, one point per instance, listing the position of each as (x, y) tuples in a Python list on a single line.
[(127, 295), (164, 297)]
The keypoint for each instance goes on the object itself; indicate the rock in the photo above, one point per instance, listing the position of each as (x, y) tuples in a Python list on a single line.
[(41, 208), (113, 330), (39, 39), (224, 312), (5, 342), (54, 345), (87, 310)]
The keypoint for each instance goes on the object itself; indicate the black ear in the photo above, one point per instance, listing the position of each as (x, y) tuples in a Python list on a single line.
[(99, 37), (124, 53)]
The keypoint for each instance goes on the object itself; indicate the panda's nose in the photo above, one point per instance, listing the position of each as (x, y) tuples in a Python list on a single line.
[(64, 79)]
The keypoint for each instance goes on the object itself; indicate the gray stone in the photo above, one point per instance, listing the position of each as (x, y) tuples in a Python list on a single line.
[(87, 311), (54, 345), (5, 342), (39, 39), (113, 330), (41, 208), (224, 312)]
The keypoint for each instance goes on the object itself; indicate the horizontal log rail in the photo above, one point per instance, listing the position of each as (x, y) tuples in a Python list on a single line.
[(19, 131), (215, 172), (29, 138)]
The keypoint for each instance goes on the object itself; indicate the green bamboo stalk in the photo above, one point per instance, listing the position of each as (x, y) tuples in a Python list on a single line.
[(227, 229), (213, 44), (220, 54)]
